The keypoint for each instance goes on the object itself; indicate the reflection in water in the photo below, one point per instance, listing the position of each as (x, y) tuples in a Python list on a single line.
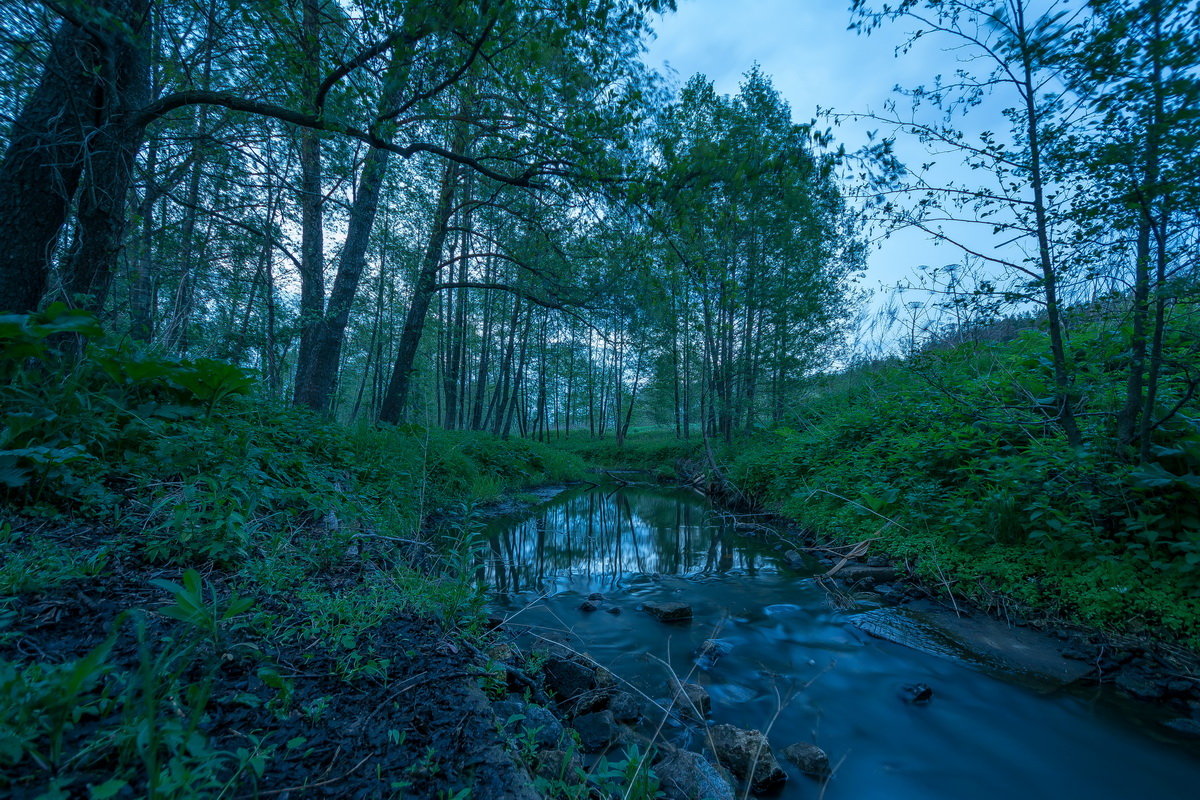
[(594, 538)]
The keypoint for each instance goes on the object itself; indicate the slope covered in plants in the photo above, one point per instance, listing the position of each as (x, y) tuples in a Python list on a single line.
[(952, 460), (200, 593)]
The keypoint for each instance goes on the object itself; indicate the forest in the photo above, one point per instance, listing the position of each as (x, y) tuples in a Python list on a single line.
[(289, 289)]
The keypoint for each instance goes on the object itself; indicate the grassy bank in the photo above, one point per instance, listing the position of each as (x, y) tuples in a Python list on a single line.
[(948, 461), (200, 593)]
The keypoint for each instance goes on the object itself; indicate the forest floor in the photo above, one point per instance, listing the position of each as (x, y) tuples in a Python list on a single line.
[(202, 595), (280, 717)]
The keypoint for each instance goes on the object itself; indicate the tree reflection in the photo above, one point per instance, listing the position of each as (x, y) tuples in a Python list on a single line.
[(606, 536)]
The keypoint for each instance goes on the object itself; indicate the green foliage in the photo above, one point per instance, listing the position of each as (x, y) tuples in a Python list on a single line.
[(190, 607), (655, 451), (42, 702), (152, 715), (954, 464), (114, 459)]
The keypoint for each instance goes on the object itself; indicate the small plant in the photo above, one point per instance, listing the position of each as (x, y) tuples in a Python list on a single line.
[(206, 616)]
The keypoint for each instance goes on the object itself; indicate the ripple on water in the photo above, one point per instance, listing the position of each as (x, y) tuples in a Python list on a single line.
[(781, 609)]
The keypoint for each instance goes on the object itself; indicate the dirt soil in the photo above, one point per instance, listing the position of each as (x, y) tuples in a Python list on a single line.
[(421, 730)]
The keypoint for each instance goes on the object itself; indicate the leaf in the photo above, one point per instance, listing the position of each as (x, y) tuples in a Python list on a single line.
[(1151, 476), (108, 789)]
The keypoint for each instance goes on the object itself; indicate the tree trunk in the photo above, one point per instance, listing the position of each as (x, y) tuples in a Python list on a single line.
[(312, 235), (123, 87), (1062, 371), (42, 166), (396, 397)]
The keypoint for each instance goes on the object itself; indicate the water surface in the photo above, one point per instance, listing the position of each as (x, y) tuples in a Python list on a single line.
[(800, 667)]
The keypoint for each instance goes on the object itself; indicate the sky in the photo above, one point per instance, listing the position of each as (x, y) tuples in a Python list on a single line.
[(813, 60)]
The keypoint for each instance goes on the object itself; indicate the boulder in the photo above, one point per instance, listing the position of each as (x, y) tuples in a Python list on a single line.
[(567, 680), (596, 731), (795, 560), (589, 605), (683, 775), (669, 611), (595, 597), (691, 698), (625, 707), (810, 759), (614, 610), (748, 756)]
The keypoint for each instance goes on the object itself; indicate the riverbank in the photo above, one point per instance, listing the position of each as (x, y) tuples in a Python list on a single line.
[(760, 479), (203, 596), (796, 491)]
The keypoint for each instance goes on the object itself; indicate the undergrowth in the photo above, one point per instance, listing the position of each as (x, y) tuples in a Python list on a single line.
[(117, 465), (951, 461)]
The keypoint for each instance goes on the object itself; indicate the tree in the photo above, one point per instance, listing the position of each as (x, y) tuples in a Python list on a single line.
[(1019, 55), (1137, 67), (748, 222)]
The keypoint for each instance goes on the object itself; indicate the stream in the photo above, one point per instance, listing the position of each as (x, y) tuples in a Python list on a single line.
[(808, 669)]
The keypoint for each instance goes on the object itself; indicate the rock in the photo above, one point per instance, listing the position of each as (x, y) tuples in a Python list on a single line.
[(589, 605), (596, 731), (669, 611), (710, 651), (605, 679), (794, 559), (567, 680), (683, 775), (588, 702), (1182, 688), (1077, 653), (690, 698), (916, 693), (595, 597), (866, 575), (521, 720), (625, 707), (748, 756), (614, 610), (506, 709), (810, 759), (878, 561), (501, 652), (1138, 686)]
